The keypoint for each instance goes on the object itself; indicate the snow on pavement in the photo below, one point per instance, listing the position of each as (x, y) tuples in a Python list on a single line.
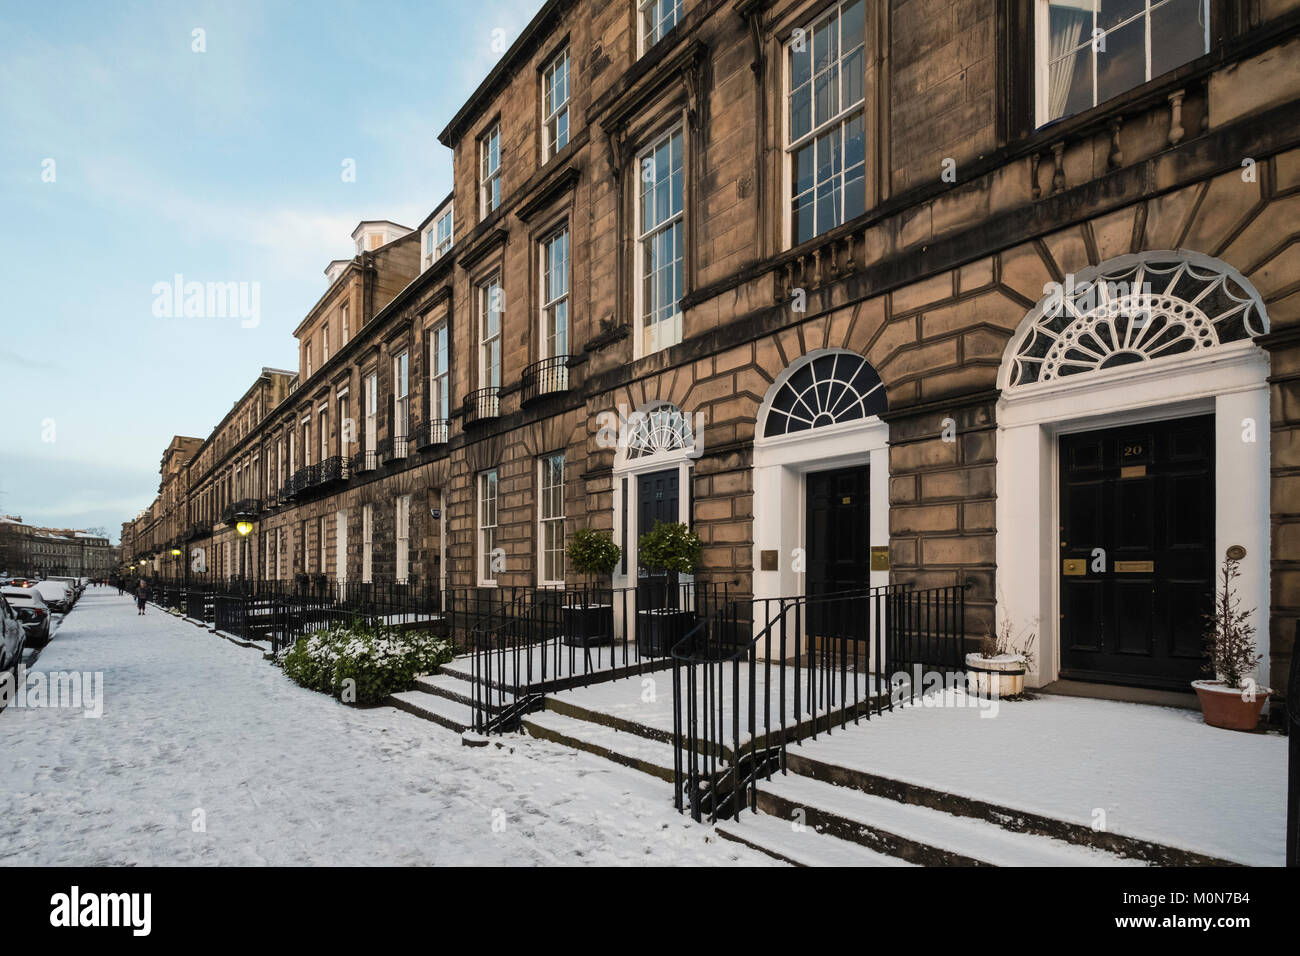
[(206, 754)]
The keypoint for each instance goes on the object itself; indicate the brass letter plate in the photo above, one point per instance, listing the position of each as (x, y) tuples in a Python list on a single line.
[(880, 558), (1133, 471), (1135, 567), (769, 560), (1074, 566)]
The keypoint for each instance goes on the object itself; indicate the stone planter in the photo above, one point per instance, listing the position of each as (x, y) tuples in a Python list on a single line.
[(1227, 707), (1002, 676), (587, 625), (658, 630)]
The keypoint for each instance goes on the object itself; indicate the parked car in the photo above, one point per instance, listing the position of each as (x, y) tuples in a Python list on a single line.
[(20, 582), (13, 637), (58, 595), (74, 584), (32, 611)]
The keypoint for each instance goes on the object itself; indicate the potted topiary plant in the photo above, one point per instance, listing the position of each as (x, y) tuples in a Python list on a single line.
[(672, 549), (588, 620), (998, 668), (1232, 700)]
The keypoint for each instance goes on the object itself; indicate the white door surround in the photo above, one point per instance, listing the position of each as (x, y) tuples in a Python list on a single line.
[(1230, 381)]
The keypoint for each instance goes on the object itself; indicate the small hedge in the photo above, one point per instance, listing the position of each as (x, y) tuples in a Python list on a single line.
[(363, 665)]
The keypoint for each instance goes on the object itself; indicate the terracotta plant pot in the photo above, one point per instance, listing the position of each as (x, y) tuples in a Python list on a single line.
[(995, 676), (1224, 706)]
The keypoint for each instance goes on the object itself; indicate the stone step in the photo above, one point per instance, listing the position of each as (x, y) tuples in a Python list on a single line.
[(443, 711), (452, 687), (803, 846), (917, 834), (629, 749)]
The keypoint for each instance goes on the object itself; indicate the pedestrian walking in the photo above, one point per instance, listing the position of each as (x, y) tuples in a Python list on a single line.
[(141, 595)]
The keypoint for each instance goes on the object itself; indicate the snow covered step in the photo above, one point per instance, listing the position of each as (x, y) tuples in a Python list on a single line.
[(450, 687), (451, 714), (803, 847), (918, 834), (631, 750)]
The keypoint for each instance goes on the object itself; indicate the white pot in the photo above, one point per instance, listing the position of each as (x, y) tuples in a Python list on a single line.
[(995, 676)]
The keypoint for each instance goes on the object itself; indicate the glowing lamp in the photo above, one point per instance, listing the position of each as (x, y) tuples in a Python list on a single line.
[(243, 527)]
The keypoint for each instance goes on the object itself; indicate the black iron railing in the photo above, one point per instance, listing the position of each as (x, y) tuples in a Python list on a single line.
[(364, 461), (1293, 755), (527, 642), (482, 405), (390, 449), (758, 675), (243, 510), (544, 378), (332, 469), (433, 432)]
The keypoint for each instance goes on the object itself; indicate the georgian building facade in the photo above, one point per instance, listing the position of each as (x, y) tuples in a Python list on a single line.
[(991, 292)]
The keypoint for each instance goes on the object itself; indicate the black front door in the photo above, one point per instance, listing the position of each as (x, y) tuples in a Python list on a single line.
[(656, 497), (837, 542), (1131, 613)]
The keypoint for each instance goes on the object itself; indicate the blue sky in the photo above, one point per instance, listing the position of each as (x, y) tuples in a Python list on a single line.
[(223, 165)]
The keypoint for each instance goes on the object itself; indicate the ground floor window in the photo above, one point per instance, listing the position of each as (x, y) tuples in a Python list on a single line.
[(367, 542), (550, 506), (320, 544), (487, 527), (403, 534), (341, 547)]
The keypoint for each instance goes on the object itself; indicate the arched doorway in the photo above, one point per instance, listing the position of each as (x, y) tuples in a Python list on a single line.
[(821, 477), (1132, 453)]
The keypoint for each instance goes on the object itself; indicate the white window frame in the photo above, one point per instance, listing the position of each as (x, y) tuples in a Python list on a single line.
[(489, 371), (401, 397), (489, 175), (342, 400), (549, 520), (321, 553), (402, 536), (341, 547), (839, 120), (343, 322), (445, 238), (552, 112), (324, 343), (370, 394), (367, 543), (439, 373), (658, 341), (650, 33), (551, 345), (306, 440), (1042, 52), (487, 513)]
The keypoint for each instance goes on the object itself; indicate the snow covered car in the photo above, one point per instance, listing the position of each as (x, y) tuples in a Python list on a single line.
[(13, 638), (57, 594), (32, 611)]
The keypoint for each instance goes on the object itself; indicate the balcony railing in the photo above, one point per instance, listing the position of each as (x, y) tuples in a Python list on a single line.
[(483, 405), (245, 509), (543, 378), (433, 432), (332, 469), (364, 461), (390, 449)]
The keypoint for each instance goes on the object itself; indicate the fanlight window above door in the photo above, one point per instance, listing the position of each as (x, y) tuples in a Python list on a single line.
[(663, 428), (1141, 309), (825, 390)]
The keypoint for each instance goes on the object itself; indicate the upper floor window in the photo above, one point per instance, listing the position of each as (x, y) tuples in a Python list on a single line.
[(325, 343), (489, 170), (825, 127), (370, 395), (437, 239), (401, 394), (439, 374), (306, 350), (656, 18), (555, 295), (490, 300), (555, 105), (343, 319), (1089, 51), (660, 235)]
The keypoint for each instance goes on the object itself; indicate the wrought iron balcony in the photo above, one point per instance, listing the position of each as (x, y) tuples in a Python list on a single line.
[(543, 378), (390, 449), (483, 405), (306, 477), (332, 469), (364, 461), (433, 432), (245, 509)]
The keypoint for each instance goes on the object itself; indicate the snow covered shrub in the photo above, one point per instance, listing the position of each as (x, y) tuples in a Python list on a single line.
[(363, 665)]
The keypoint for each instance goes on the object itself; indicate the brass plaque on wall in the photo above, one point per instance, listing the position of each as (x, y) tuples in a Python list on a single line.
[(880, 558), (1133, 471), (1135, 567), (769, 560), (1074, 566)]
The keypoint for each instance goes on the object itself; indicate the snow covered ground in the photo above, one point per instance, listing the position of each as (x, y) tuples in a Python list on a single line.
[(1156, 773), (205, 754)]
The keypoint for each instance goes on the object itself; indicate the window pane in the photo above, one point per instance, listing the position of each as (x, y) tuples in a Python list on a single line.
[(1111, 13), (1123, 64), (1180, 26), (851, 75), (1070, 84), (801, 111)]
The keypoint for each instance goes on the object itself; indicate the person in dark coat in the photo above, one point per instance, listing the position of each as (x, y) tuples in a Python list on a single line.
[(141, 595)]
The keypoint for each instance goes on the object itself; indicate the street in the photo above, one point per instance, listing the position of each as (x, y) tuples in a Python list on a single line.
[(206, 754)]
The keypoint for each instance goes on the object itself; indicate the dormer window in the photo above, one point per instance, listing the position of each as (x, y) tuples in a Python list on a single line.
[(656, 18), (489, 171), (437, 239)]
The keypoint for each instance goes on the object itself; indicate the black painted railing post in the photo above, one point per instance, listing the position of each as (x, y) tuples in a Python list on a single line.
[(1293, 755)]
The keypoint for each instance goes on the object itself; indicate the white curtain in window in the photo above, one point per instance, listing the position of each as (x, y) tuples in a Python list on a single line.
[(1067, 30)]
